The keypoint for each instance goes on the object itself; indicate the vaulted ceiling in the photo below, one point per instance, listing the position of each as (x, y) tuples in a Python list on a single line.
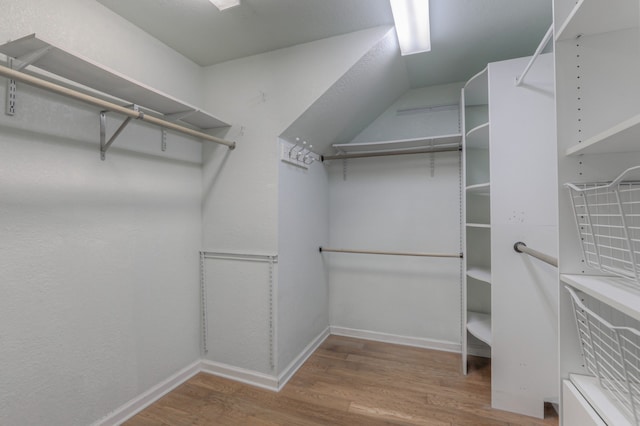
[(466, 34)]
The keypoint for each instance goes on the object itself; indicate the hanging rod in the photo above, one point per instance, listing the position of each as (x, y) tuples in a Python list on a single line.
[(251, 257), (521, 247), (106, 105), (537, 53), (386, 153), (390, 253)]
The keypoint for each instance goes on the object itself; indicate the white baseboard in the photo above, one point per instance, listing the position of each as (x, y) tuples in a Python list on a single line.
[(238, 374), (142, 401), (301, 358), (265, 381), (419, 342)]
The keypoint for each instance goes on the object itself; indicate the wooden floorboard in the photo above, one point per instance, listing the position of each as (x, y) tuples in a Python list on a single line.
[(347, 382)]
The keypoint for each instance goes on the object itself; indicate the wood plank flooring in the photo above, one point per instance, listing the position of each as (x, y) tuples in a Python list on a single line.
[(347, 382)]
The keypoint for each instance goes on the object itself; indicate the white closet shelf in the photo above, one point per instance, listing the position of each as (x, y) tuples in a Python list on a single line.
[(479, 325), (479, 225), (85, 72), (599, 400), (480, 273), (623, 137), (588, 18), (615, 292), (479, 189), (476, 90), (399, 144), (478, 137)]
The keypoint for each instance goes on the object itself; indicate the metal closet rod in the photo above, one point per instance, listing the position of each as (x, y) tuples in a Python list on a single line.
[(110, 106), (391, 253), (386, 153), (252, 257), (521, 247)]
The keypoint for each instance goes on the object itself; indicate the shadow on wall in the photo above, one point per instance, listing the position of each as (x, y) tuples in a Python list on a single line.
[(210, 182)]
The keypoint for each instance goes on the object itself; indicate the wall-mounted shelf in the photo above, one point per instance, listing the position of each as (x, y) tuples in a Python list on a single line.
[(479, 189), (479, 325), (81, 70), (479, 225), (590, 17), (478, 137), (400, 144), (623, 137), (480, 274), (475, 91), (615, 292)]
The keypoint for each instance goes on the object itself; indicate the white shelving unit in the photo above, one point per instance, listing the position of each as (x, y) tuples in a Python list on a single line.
[(598, 120), (477, 233), (479, 325), (479, 189), (480, 274), (590, 17), (400, 144), (478, 137), (95, 77), (623, 137)]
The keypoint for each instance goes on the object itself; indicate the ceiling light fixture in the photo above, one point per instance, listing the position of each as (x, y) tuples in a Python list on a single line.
[(225, 4), (411, 18)]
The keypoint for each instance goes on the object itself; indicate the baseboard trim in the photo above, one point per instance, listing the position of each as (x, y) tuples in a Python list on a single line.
[(418, 342), (250, 377), (266, 381), (301, 358), (142, 401)]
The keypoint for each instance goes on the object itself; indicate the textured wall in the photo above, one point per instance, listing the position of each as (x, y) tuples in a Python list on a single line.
[(303, 287), (262, 95), (99, 265), (91, 30), (98, 261), (393, 203)]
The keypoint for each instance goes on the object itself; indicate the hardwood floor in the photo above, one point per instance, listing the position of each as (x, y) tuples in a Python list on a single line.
[(347, 382)]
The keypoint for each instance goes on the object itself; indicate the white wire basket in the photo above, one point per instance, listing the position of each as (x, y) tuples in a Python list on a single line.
[(608, 220), (612, 354)]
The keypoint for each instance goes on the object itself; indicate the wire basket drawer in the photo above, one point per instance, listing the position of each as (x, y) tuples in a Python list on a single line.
[(608, 221), (612, 354)]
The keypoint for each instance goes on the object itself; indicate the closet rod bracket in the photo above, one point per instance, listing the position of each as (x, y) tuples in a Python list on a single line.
[(106, 144)]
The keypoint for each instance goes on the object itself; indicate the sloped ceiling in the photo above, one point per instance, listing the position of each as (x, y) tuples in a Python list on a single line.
[(358, 97), (466, 34)]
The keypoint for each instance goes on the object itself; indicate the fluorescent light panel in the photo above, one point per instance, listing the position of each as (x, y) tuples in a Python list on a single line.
[(411, 18), (225, 4)]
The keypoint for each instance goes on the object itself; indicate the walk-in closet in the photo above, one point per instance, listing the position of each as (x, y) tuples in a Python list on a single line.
[(298, 212)]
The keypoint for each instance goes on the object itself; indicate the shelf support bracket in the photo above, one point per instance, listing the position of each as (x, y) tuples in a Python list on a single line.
[(19, 64), (106, 144), (12, 89), (163, 140)]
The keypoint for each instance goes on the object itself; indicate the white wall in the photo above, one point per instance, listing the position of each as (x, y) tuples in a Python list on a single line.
[(261, 95), (393, 203), (303, 289), (99, 262), (91, 30)]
